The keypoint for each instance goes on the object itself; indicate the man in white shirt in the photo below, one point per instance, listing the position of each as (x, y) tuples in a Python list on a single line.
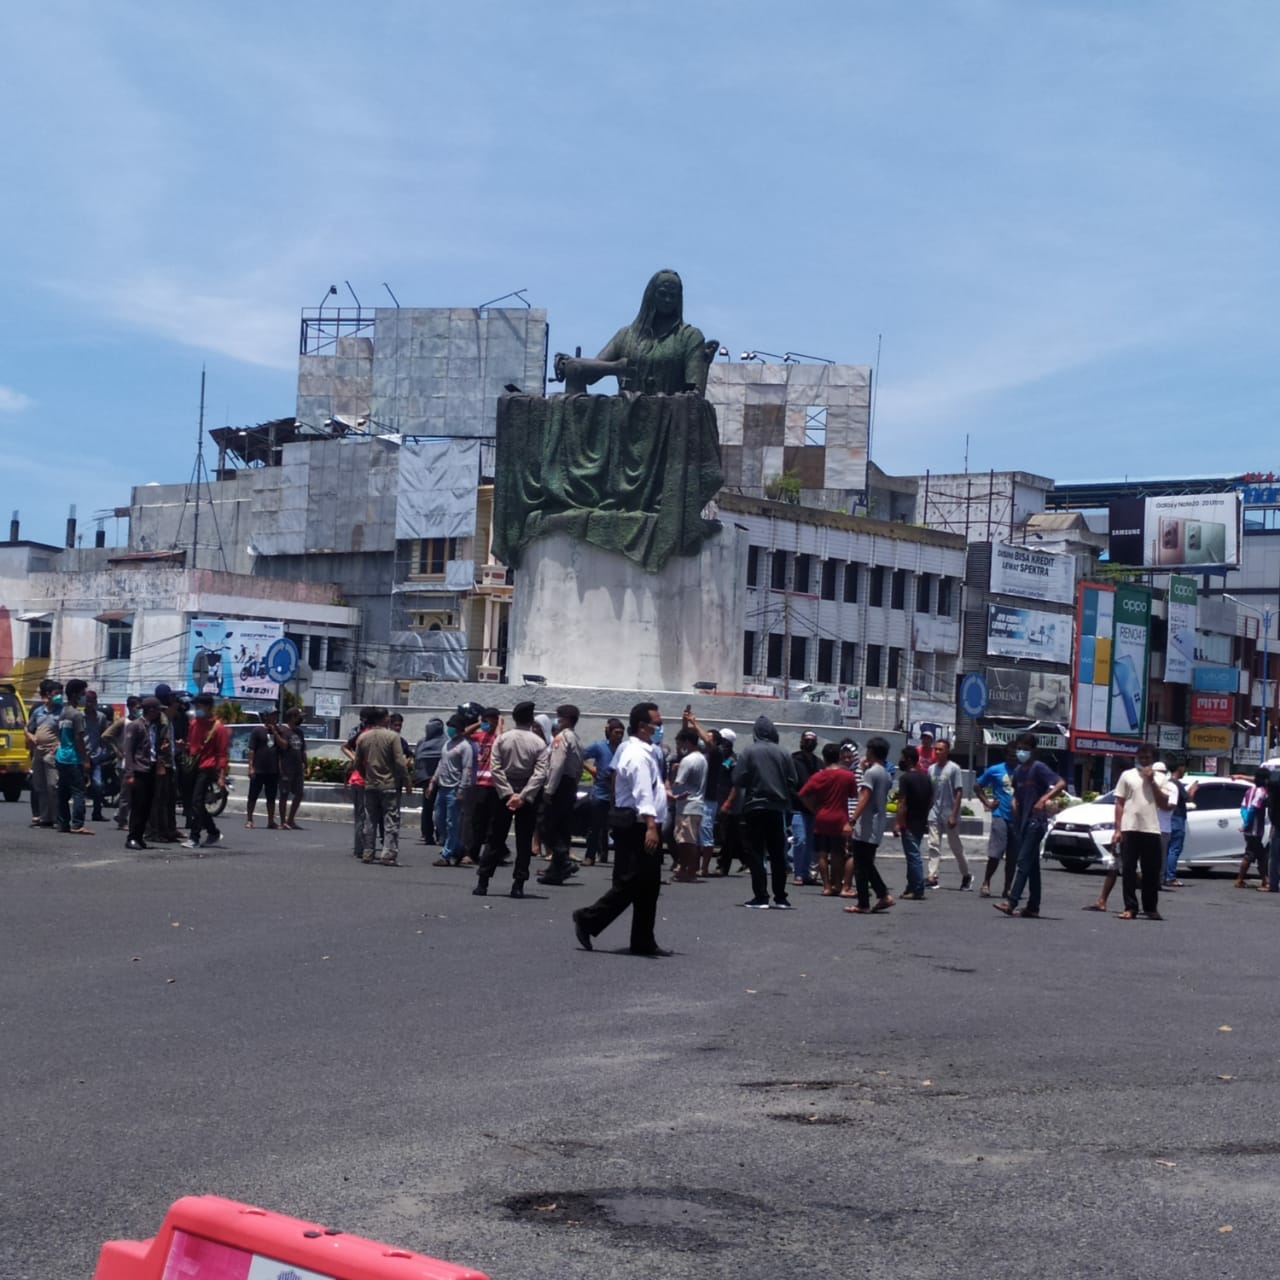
[(1140, 795), (944, 821), (639, 810)]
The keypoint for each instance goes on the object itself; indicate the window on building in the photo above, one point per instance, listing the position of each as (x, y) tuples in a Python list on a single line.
[(432, 556), (898, 590), (815, 424), (826, 661), (753, 566), (804, 571), (120, 640), (778, 580), (893, 678), (874, 652), (944, 597), (315, 652), (39, 639), (748, 653), (773, 658), (875, 596), (848, 662), (922, 593), (799, 666), (336, 659), (851, 584), (829, 568), (433, 620)]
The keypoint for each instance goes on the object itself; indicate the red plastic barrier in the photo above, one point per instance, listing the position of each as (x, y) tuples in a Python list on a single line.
[(209, 1238)]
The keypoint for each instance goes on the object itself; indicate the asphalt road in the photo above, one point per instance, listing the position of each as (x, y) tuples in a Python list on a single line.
[(935, 1092)]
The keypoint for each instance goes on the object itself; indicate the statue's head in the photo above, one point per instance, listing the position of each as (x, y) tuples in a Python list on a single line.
[(662, 308)]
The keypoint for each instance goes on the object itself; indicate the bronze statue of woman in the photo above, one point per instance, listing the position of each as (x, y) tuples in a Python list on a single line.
[(657, 354)]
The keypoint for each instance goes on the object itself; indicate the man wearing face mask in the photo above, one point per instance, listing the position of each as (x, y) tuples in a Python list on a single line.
[(208, 741), (140, 745), (484, 798), (42, 742), (452, 774), (1034, 787), (1140, 795), (564, 772), (639, 810)]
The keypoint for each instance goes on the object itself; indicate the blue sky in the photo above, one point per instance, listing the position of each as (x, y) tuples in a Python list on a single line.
[(1060, 217)]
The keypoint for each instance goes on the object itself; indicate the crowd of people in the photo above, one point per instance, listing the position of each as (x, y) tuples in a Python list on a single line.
[(167, 759), (805, 817)]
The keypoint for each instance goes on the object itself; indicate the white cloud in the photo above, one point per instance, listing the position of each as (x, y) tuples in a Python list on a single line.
[(12, 401)]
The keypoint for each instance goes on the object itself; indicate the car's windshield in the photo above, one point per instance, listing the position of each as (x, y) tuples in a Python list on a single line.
[(10, 713)]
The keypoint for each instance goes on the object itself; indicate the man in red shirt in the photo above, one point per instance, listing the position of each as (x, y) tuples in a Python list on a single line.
[(208, 741), (485, 801), (826, 795), (925, 751)]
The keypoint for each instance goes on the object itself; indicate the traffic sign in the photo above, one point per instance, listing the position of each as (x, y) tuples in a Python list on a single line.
[(973, 695), (282, 660)]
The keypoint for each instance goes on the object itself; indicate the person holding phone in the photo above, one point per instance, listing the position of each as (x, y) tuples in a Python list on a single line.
[(1140, 796)]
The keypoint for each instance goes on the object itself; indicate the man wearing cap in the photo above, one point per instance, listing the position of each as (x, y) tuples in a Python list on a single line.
[(926, 751), (518, 766), (381, 761), (140, 747)]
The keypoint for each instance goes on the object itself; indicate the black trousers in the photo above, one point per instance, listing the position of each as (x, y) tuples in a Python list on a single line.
[(201, 818), (557, 826), (729, 838), (866, 879), (162, 824), (1141, 849), (485, 806), (764, 832), (598, 837), (637, 881), (526, 819), (140, 797)]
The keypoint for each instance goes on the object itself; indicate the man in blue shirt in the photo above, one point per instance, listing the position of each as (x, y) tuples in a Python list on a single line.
[(597, 758), (994, 787), (1034, 787)]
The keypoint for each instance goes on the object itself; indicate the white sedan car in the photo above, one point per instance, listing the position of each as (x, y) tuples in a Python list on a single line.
[(1078, 836)]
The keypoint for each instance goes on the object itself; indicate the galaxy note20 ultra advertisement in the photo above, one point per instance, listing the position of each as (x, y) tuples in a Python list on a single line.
[(1197, 531)]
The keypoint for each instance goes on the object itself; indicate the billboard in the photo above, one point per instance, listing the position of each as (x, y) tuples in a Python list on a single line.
[(1212, 708), (1181, 648), (1205, 739), (227, 657), (1028, 695), (1194, 531), (1112, 653), (1028, 633), (1216, 679), (1037, 575)]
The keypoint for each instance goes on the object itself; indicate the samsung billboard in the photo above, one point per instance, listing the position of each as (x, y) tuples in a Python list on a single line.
[(1198, 531)]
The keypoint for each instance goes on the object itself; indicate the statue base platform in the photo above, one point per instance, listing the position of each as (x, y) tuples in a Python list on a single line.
[(590, 618)]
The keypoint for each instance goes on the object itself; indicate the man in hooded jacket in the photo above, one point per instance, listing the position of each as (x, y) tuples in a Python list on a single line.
[(426, 759), (765, 778)]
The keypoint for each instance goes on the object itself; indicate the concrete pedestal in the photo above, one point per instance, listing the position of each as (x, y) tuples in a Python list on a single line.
[(585, 617)]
